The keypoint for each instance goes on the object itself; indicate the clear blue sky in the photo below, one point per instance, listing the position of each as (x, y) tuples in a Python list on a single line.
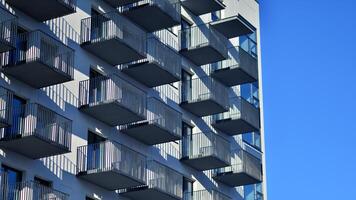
[(309, 69)]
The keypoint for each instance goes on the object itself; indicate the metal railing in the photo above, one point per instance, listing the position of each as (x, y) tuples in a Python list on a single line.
[(8, 28), (162, 115), (157, 52), (112, 25), (37, 46), (170, 7), (205, 195), (6, 97), (168, 38), (240, 109), (30, 190), (238, 57), (204, 88), (35, 120), (203, 35), (168, 93), (246, 163), (106, 89), (198, 145), (109, 155)]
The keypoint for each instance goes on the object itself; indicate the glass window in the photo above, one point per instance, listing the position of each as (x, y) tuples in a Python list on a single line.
[(253, 192), (253, 139)]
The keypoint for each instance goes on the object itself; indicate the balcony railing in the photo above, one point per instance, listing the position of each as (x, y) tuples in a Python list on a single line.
[(8, 30), (163, 13), (163, 124), (203, 44), (205, 195), (106, 90), (207, 146), (162, 183), (162, 65), (44, 126), (238, 69), (6, 97), (242, 117), (246, 170), (39, 60), (111, 157), (107, 34), (30, 190), (204, 96)]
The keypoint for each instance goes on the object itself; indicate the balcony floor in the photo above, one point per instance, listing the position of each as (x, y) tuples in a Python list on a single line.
[(204, 163), (5, 46), (108, 50), (37, 74), (42, 10), (202, 55), (112, 113), (234, 126), (203, 108), (150, 133), (110, 180), (232, 27), (236, 179), (233, 76), (33, 147), (150, 74), (158, 19), (199, 7), (148, 193)]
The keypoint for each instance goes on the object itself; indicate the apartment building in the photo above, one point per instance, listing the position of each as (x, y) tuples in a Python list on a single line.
[(131, 99)]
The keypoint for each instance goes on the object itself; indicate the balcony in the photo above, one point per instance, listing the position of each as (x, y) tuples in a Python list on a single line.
[(203, 45), (234, 26), (162, 183), (112, 100), (30, 190), (162, 65), (113, 38), (247, 171), (111, 165), (36, 132), (205, 195), (163, 124), (204, 96), (239, 68), (6, 97), (200, 7), (39, 60), (8, 30), (153, 15), (242, 117), (116, 3), (204, 151), (45, 10)]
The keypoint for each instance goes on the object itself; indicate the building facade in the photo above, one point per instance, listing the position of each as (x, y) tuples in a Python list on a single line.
[(131, 99)]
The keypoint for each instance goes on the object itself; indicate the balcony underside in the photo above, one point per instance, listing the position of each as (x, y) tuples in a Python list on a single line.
[(150, 133), (37, 74), (204, 163), (202, 55), (203, 108), (5, 46), (150, 17), (148, 193), (150, 74), (33, 147), (42, 10), (199, 7), (231, 76), (236, 179), (232, 27), (111, 113), (116, 3), (110, 180), (114, 51), (234, 126)]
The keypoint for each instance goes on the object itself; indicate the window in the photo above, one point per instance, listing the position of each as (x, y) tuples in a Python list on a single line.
[(18, 114), (216, 15), (249, 43), (10, 178), (187, 189), (185, 34), (187, 135), (253, 139), (253, 192), (250, 92), (186, 90)]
